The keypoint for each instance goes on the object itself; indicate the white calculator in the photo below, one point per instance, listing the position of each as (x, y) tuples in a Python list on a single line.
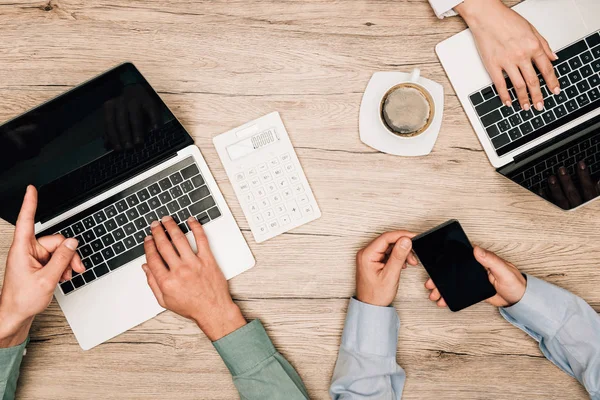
[(267, 177)]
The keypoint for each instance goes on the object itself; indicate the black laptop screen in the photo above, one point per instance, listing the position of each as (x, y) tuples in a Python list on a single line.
[(85, 141)]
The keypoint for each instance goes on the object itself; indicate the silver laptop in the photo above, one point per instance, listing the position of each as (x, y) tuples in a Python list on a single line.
[(529, 147), (109, 158)]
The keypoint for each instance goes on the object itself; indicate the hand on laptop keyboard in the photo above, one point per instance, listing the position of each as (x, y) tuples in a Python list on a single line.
[(33, 269), (508, 42), (191, 285), (567, 193)]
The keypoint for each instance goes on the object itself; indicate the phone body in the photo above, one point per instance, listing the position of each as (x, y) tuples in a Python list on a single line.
[(447, 255)]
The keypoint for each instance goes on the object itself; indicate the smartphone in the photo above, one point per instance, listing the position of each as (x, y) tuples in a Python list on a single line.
[(447, 255)]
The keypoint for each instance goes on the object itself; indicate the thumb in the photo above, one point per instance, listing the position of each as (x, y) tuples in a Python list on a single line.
[(398, 256), (60, 259), (492, 263)]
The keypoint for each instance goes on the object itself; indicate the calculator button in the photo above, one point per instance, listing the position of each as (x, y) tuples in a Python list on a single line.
[(240, 176), (294, 178), (277, 173), (280, 209), (244, 186), (287, 193), (262, 168), (276, 198), (254, 182), (260, 193), (269, 214), (262, 229), (285, 157), (289, 168), (307, 209), (281, 183), (249, 196), (252, 172), (274, 162), (298, 189), (253, 208), (271, 187), (273, 224), (266, 176), (285, 220), (303, 199), (264, 203), (258, 218), (294, 210)]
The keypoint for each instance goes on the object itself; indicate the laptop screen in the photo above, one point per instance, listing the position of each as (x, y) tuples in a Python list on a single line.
[(84, 142), (564, 171)]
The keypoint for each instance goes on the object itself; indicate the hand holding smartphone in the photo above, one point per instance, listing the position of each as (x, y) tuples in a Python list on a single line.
[(447, 256)]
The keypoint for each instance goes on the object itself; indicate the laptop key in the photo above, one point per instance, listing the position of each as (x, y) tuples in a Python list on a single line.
[(549, 117), (560, 98), (586, 71), (89, 276), (190, 171), (173, 207), (214, 213), (100, 270), (88, 222), (501, 140), (88, 236), (506, 111), (99, 230), (184, 228), (96, 245), (87, 263), (537, 122), (549, 103), (143, 195), (133, 200), (175, 191), (129, 242), (67, 232), (594, 94), (139, 237), (560, 111), (107, 239), (564, 82), (571, 92), (110, 211), (526, 128), (571, 105), (208, 202), (583, 86), (86, 251), (513, 133), (80, 240), (594, 80), (183, 214), (119, 247), (110, 225), (176, 178), (488, 106), (143, 208), (184, 200), (121, 219), (491, 118), (515, 120), (593, 40), (67, 287), (575, 63), (140, 223), (78, 228), (526, 115), (187, 186), (503, 125), (197, 180), (154, 189), (151, 217), (165, 184), (118, 234), (129, 229), (162, 212), (132, 214), (476, 98), (563, 68), (107, 253), (596, 64), (165, 197), (121, 206), (583, 100), (203, 218), (100, 217), (154, 203), (97, 258), (77, 281), (125, 257)]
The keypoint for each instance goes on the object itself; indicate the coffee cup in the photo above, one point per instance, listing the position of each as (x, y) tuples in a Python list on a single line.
[(401, 113)]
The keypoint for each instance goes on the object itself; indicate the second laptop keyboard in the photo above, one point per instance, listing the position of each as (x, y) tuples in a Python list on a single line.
[(112, 232), (578, 71)]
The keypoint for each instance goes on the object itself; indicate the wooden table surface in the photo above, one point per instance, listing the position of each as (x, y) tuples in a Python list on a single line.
[(221, 63)]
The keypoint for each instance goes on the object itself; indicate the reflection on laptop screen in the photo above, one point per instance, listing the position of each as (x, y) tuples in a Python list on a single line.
[(566, 171), (84, 142)]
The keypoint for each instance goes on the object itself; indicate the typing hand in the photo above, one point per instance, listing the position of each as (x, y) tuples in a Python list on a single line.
[(191, 285), (566, 194), (509, 283), (129, 117), (33, 269), (508, 42), (378, 267)]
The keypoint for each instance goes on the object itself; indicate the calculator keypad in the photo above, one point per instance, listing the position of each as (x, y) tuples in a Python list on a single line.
[(273, 194)]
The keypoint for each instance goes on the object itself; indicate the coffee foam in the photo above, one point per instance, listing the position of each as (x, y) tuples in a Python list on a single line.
[(406, 110)]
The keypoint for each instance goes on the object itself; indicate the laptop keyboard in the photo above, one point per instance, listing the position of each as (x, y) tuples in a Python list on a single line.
[(535, 177), (578, 71), (112, 233)]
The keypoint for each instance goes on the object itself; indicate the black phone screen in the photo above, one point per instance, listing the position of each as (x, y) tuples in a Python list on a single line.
[(447, 255)]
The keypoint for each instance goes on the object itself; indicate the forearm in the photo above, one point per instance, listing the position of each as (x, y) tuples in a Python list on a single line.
[(258, 370), (366, 366), (566, 327)]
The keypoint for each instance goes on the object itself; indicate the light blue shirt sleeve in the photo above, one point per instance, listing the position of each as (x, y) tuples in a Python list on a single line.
[(10, 361), (366, 367), (565, 326)]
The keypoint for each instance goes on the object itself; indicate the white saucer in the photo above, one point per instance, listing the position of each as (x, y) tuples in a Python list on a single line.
[(374, 133)]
